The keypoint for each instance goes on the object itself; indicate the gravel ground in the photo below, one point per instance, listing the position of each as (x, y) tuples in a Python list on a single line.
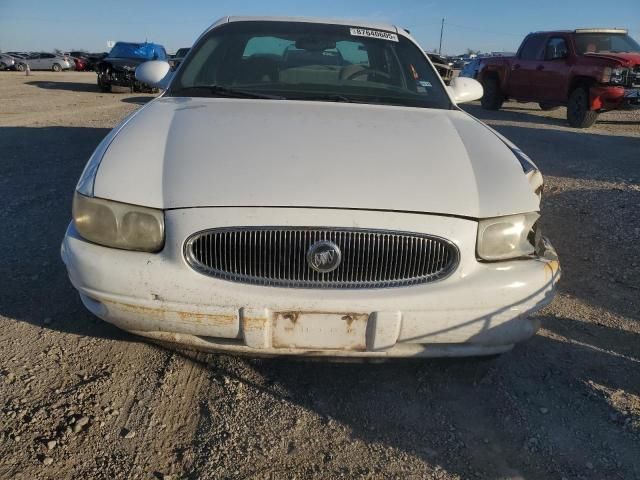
[(81, 399)]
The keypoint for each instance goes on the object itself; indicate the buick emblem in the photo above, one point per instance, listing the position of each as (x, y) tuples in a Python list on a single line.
[(324, 256)]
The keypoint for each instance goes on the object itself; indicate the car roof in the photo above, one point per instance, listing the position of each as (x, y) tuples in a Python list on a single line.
[(329, 21), (582, 30), (123, 42)]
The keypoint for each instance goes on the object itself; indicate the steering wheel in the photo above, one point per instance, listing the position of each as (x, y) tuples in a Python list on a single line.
[(368, 71)]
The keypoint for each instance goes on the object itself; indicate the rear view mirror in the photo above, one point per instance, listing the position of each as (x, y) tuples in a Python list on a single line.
[(155, 73), (315, 44), (464, 89)]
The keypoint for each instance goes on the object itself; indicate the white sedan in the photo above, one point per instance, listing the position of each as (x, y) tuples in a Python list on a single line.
[(307, 187)]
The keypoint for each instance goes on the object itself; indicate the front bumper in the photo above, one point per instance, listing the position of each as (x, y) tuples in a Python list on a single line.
[(121, 78), (482, 308), (613, 98)]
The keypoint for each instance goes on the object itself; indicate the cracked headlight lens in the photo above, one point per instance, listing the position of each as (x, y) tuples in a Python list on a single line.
[(512, 236)]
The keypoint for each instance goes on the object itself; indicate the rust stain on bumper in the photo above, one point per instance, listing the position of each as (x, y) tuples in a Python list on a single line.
[(190, 317)]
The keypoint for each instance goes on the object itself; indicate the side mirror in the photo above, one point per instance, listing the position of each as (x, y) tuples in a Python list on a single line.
[(155, 73), (464, 89)]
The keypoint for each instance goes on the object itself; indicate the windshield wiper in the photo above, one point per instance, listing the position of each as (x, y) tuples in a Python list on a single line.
[(328, 98), (220, 91)]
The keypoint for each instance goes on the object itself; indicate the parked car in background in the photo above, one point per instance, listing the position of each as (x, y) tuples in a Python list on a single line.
[(442, 66), (18, 60), (587, 70), (459, 63), (311, 188), (7, 62), (176, 59), (118, 68), (45, 61), (470, 70), (80, 63)]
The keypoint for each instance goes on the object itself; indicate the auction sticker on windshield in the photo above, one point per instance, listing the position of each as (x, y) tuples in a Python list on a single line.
[(363, 32)]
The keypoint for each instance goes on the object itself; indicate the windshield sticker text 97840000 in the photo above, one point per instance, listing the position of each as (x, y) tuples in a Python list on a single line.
[(363, 32)]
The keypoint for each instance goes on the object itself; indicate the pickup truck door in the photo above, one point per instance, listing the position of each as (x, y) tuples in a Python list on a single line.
[(522, 67), (549, 81)]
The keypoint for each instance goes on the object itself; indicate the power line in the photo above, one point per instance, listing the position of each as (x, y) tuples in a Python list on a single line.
[(466, 27)]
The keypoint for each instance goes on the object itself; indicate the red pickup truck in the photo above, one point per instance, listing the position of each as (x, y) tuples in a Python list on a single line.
[(587, 70)]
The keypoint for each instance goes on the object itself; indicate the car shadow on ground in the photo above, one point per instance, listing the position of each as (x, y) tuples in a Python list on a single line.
[(70, 86), (138, 100), (512, 114), (619, 122), (35, 212), (91, 87)]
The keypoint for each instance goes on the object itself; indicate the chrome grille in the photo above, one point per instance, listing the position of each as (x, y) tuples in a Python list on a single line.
[(277, 256), (635, 76)]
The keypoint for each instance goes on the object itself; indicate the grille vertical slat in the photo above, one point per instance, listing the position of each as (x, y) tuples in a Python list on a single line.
[(277, 256)]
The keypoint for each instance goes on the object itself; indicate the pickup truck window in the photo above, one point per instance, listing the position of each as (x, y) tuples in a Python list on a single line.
[(556, 48), (531, 47), (605, 42)]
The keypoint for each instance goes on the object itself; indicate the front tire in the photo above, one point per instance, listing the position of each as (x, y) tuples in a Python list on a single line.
[(492, 99), (104, 87), (20, 67), (56, 67), (548, 107), (579, 114)]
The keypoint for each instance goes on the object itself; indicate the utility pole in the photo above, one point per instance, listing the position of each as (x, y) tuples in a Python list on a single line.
[(441, 30)]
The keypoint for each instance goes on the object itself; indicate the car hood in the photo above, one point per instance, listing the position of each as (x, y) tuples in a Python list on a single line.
[(194, 152), (629, 58), (123, 63)]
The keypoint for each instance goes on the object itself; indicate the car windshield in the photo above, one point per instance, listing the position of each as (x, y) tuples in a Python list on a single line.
[(143, 51), (308, 61), (182, 52), (605, 42)]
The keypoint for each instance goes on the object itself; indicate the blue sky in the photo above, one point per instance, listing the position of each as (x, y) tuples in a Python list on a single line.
[(492, 25)]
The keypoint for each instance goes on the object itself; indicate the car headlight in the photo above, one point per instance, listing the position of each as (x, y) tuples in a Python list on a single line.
[(513, 236), (615, 76), (118, 225)]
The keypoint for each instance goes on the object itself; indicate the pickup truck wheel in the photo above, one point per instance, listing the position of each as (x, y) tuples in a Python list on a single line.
[(579, 114), (493, 97), (547, 107), (20, 67)]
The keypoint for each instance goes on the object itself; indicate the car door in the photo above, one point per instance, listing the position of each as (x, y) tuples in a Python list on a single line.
[(523, 65), (34, 61), (549, 80), (47, 59)]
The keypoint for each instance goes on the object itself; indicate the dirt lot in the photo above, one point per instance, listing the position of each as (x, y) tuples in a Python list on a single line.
[(81, 399)]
